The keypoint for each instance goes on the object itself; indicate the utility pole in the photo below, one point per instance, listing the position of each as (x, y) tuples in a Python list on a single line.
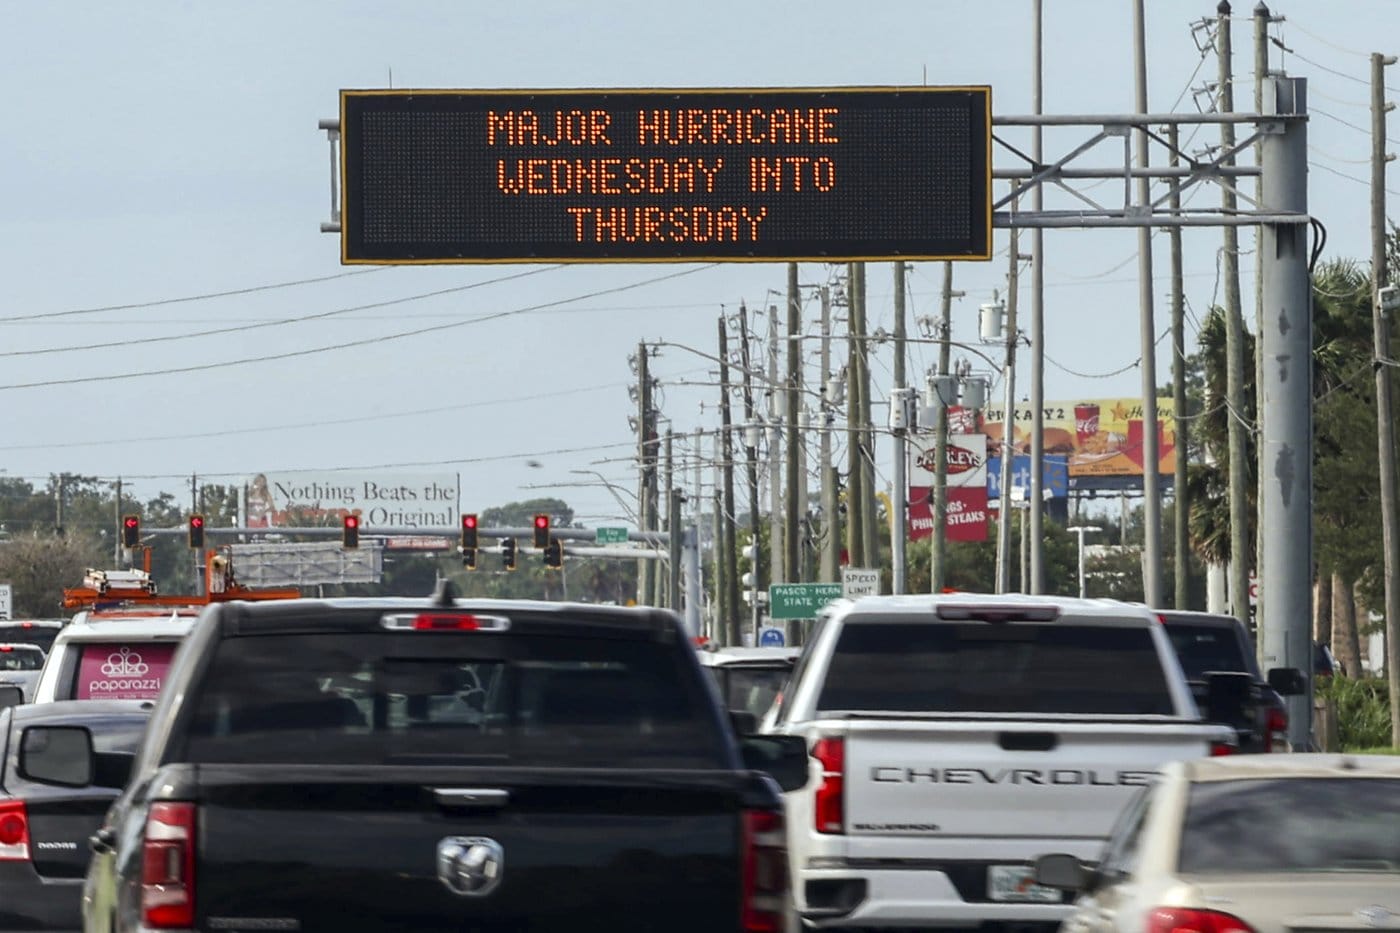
[(61, 493), (1008, 430), (727, 540), (1385, 420), (939, 548), (1262, 19), (677, 537), (666, 586), (646, 477), (899, 496), (1151, 485), (1234, 345), (792, 481), (855, 473), (777, 424), (1036, 513), (117, 527), (870, 541), (1181, 541), (831, 510), (752, 429)]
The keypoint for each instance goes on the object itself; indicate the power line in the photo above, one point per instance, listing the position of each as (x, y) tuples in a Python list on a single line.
[(188, 298), (319, 316), (293, 354)]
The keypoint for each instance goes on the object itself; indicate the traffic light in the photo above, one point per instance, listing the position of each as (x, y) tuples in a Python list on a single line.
[(469, 558), (131, 531), (541, 531), (350, 532), (197, 531), (508, 553), (469, 531), (554, 554)]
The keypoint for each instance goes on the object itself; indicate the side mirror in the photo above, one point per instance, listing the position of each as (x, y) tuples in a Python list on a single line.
[(11, 695), (1228, 696), (1063, 871), (60, 755), (744, 722), (1288, 681), (782, 757)]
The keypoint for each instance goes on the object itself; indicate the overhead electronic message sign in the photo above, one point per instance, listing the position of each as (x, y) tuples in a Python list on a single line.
[(782, 174)]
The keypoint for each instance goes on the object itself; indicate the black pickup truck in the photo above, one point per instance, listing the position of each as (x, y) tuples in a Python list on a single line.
[(443, 765)]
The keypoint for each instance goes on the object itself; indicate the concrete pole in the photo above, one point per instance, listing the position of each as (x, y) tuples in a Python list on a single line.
[(1151, 485), (1237, 466), (1285, 453), (1008, 431), (1385, 419), (750, 421), (692, 579), (645, 474), (831, 511), (938, 574), (855, 476), (1181, 532), (727, 541), (1036, 514), (792, 484), (675, 542), (900, 328), (778, 423), (666, 586), (869, 530), (899, 521), (1262, 19)]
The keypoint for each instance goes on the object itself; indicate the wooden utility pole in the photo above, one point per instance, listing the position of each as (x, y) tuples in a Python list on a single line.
[(1385, 421), (1234, 347)]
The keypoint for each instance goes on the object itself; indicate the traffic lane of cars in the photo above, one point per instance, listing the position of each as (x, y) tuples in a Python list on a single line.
[(64, 763), (1307, 841)]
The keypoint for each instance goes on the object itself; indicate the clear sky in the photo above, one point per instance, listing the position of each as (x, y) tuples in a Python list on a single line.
[(157, 151)]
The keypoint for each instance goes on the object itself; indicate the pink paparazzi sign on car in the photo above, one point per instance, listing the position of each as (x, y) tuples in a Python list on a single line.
[(117, 671)]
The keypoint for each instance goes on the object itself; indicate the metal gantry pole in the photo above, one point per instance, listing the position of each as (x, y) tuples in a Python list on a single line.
[(1285, 453)]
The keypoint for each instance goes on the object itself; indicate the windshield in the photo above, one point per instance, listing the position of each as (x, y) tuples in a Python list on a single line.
[(985, 668), (378, 698), (1292, 824)]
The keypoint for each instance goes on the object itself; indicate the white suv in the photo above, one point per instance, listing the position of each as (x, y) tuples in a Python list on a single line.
[(114, 654)]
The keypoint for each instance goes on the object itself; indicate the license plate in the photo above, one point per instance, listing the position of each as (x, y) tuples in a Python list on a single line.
[(1017, 883)]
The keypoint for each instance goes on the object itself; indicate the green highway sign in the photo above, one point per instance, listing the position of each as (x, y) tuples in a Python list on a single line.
[(800, 600), (611, 536)]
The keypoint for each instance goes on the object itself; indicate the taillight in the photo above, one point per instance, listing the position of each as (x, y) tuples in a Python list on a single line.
[(1218, 749), (445, 622), (167, 866), (1276, 729), (829, 803), (14, 831), (765, 875), (1190, 920)]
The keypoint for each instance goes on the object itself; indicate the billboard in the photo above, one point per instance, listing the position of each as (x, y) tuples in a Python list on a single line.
[(966, 516), (1101, 438), (665, 175), (382, 500)]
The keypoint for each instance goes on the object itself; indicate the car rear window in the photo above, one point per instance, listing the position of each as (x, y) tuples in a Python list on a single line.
[(122, 670), (394, 698), (1205, 648), (20, 633), (1292, 825), (752, 689), (20, 658), (983, 667)]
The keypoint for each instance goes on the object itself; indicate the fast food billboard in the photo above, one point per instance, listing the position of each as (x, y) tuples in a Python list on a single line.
[(1101, 437)]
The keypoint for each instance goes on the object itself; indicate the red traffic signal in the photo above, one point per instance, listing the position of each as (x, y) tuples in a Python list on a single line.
[(131, 531), (350, 532), (541, 531), (197, 531), (469, 531)]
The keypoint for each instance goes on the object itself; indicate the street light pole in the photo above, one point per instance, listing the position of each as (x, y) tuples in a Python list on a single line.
[(1081, 531)]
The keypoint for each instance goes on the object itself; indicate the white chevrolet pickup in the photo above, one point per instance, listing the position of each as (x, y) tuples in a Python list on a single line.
[(954, 738)]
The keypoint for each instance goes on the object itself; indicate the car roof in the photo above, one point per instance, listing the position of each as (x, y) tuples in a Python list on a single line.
[(1298, 765), (81, 710), (1107, 611), (1193, 617), (32, 623), (154, 625), (740, 657), (20, 645)]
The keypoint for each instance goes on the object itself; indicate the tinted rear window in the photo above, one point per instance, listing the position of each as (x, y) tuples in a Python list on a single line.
[(1205, 648), (20, 659), (122, 670), (750, 689), (393, 698), (990, 668), (1293, 824), (20, 634)]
